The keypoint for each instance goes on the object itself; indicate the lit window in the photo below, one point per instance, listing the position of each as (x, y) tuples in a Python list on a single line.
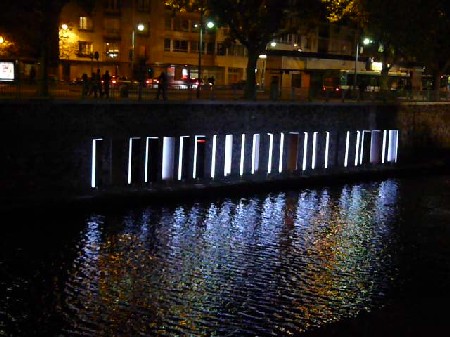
[(85, 48), (85, 23), (112, 50)]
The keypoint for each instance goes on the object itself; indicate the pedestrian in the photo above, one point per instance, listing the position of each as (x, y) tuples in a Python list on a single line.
[(162, 86), (92, 86), (98, 84), (85, 85), (106, 82)]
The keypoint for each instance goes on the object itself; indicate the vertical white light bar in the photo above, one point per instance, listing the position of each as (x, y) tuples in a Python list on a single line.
[(358, 140), (147, 157), (255, 153), (180, 157), (327, 147), (393, 146), (396, 145), (347, 148), (194, 170), (241, 163), (269, 161), (305, 151), (94, 161), (147, 144), (280, 162), (168, 158), (213, 157), (313, 160), (130, 154), (383, 151), (361, 149), (228, 155)]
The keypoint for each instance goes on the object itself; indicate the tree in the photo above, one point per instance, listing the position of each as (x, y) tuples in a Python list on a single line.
[(253, 23), (34, 27), (427, 38)]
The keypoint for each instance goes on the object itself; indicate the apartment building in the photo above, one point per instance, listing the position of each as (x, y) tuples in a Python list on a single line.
[(131, 37)]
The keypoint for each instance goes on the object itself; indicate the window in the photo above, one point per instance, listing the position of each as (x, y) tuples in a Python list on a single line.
[(143, 5), (167, 44), (237, 50), (112, 27), (112, 5), (180, 46), (112, 50), (85, 23), (85, 48), (181, 24), (221, 49)]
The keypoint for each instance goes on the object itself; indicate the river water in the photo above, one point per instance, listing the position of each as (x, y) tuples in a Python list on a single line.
[(356, 259)]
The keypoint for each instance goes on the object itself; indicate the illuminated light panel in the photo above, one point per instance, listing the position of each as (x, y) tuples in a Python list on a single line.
[(393, 146), (305, 151), (374, 146), (94, 159), (168, 158), (213, 157), (280, 163), (383, 151), (147, 146), (180, 157), (255, 153), (241, 163), (357, 145), (269, 161), (228, 155), (327, 148), (347, 148), (130, 152), (194, 170), (361, 150), (313, 160)]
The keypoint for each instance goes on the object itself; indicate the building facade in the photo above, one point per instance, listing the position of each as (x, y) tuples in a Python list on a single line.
[(132, 38)]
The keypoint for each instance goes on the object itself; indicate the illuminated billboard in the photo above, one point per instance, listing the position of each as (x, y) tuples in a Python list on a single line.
[(7, 71)]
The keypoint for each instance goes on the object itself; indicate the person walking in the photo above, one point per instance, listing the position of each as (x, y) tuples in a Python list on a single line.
[(106, 82), (85, 85), (162, 86)]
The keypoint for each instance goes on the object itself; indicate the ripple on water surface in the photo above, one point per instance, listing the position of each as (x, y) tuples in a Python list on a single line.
[(272, 265)]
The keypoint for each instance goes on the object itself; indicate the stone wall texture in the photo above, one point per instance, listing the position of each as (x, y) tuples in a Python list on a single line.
[(46, 146)]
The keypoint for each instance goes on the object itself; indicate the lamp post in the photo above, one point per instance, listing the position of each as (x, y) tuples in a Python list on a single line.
[(366, 41), (209, 24), (140, 27)]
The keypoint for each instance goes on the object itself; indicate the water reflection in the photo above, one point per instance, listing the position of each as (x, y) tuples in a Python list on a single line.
[(268, 266)]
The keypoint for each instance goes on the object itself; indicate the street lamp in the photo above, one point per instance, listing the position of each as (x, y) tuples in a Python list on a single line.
[(209, 25), (366, 41), (140, 27)]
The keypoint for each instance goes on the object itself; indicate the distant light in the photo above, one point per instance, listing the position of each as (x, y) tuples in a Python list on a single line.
[(367, 41), (2, 39), (64, 26), (263, 56), (210, 24), (141, 27), (273, 44)]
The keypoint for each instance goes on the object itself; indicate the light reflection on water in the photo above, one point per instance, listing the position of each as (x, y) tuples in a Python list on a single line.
[(264, 266)]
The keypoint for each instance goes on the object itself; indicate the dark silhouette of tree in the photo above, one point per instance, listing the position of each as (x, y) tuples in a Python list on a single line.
[(252, 23), (34, 25)]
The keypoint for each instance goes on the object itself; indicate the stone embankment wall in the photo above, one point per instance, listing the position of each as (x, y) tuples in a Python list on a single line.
[(65, 150)]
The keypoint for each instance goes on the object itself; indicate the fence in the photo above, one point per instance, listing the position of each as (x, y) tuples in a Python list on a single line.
[(64, 90)]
